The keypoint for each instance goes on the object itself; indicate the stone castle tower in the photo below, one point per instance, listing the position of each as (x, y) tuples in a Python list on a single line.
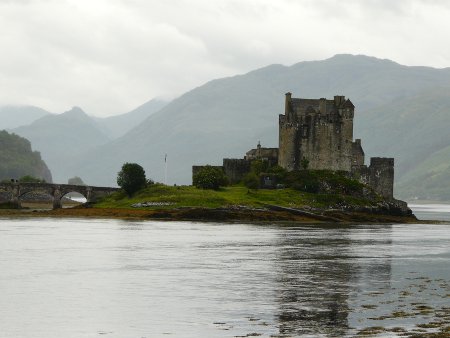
[(320, 131)]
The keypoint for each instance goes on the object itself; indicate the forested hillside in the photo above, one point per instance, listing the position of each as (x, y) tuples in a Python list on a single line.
[(17, 159)]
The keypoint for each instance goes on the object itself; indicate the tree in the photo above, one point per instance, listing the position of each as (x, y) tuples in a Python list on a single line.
[(259, 166), (75, 181), (209, 177), (251, 180), (131, 178), (279, 172)]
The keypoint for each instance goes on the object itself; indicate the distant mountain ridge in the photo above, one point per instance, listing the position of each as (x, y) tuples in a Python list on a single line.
[(16, 116), (118, 125), (226, 117), (401, 112), (63, 138)]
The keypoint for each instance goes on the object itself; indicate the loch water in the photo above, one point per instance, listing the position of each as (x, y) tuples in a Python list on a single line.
[(77, 278)]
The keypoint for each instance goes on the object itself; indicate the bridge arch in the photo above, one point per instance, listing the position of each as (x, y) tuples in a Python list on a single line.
[(57, 191), (34, 198), (65, 198)]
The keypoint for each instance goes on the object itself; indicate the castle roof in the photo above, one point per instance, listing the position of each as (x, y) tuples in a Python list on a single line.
[(310, 106), (348, 104)]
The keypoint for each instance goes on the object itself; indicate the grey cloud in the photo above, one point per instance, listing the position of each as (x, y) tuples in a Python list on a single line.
[(110, 56)]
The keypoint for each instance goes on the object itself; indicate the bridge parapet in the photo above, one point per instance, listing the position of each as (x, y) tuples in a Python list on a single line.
[(16, 189)]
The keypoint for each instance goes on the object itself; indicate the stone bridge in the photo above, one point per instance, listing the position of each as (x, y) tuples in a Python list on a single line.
[(16, 190)]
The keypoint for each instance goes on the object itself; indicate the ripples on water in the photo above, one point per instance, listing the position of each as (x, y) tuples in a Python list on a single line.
[(431, 211), (109, 278)]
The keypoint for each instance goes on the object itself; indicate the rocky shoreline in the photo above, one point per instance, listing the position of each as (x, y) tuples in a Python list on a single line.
[(268, 213)]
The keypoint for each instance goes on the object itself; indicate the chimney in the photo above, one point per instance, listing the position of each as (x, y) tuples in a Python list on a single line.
[(338, 100), (287, 103), (322, 105)]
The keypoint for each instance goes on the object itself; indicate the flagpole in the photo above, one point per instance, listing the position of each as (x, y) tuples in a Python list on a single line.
[(165, 169)]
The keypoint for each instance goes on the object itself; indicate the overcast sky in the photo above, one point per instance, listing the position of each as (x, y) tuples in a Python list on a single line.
[(109, 56)]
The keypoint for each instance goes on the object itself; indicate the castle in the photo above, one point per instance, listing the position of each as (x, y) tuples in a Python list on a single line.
[(320, 133)]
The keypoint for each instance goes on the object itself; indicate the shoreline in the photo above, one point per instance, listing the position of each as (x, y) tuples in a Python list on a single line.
[(230, 215)]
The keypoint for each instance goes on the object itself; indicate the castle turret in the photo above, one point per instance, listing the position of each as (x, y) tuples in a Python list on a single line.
[(287, 104), (382, 176), (323, 105), (338, 100)]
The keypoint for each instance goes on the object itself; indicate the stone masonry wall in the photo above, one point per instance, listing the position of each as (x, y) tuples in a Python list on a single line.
[(236, 169), (379, 175), (319, 130)]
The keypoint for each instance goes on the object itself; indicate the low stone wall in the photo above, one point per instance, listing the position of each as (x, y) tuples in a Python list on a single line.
[(236, 169)]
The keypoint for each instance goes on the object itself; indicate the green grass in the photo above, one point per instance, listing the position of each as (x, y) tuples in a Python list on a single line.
[(188, 196)]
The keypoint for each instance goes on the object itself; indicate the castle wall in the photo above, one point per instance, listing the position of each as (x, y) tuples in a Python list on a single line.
[(235, 169), (379, 175), (288, 151), (265, 154), (357, 153), (319, 130), (322, 132)]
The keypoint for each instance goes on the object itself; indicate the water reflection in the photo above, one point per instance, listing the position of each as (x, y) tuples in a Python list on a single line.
[(318, 273), (113, 279)]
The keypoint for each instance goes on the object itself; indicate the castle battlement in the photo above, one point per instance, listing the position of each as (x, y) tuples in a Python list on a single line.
[(320, 131)]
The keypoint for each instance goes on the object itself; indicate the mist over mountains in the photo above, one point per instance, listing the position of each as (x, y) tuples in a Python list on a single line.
[(16, 116), (118, 125), (64, 138), (401, 112)]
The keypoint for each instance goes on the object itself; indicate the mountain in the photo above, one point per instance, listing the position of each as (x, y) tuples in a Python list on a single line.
[(62, 139), (18, 160), (416, 132), (16, 116), (116, 126), (227, 117)]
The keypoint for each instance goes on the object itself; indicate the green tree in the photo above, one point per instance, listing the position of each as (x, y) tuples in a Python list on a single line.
[(251, 180), (279, 172), (209, 177), (259, 166), (75, 181), (131, 178)]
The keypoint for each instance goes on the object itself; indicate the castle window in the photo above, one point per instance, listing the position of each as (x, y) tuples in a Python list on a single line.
[(305, 131)]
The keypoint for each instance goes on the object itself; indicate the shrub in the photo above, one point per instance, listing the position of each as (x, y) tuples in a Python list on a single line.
[(259, 166), (251, 181), (30, 179), (209, 177)]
